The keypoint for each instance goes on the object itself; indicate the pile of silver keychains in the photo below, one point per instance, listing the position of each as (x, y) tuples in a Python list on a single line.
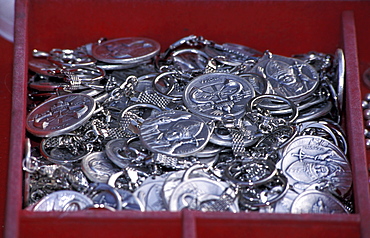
[(119, 125)]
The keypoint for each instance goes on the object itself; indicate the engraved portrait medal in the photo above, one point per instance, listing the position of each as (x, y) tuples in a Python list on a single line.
[(313, 201), (63, 200), (201, 194), (314, 160), (98, 167), (127, 50), (289, 77), (174, 133), (60, 115), (215, 95)]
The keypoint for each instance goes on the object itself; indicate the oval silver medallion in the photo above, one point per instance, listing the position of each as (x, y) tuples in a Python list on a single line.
[(215, 95), (289, 77), (128, 50), (98, 168), (64, 200), (314, 160), (60, 115), (313, 201), (175, 133), (201, 194)]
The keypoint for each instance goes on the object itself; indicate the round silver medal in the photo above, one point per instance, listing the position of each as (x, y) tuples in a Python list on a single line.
[(60, 115), (311, 140), (42, 66), (312, 160), (63, 200), (313, 201), (201, 194), (289, 77), (129, 50), (174, 179), (175, 133), (98, 168), (215, 95)]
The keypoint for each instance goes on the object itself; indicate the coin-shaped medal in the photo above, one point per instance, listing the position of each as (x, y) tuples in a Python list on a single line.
[(175, 133), (216, 95), (98, 168), (60, 115), (129, 50), (289, 77), (312, 160), (63, 200), (313, 201)]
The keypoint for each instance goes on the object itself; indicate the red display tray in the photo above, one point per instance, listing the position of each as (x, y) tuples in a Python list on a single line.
[(283, 27)]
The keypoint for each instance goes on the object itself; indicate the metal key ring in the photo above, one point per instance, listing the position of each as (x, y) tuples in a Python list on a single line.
[(95, 188), (166, 84), (30, 164), (280, 190), (138, 107), (84, 74), (253, 102), (234, 172)]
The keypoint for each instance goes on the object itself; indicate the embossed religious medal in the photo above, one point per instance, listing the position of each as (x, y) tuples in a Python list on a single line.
[(216, 95), (313, 201), (202, 194), (174, 133), (289, 77), (129, 50), (312, 160), (98, 168), (63, 200), (60, 115)]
